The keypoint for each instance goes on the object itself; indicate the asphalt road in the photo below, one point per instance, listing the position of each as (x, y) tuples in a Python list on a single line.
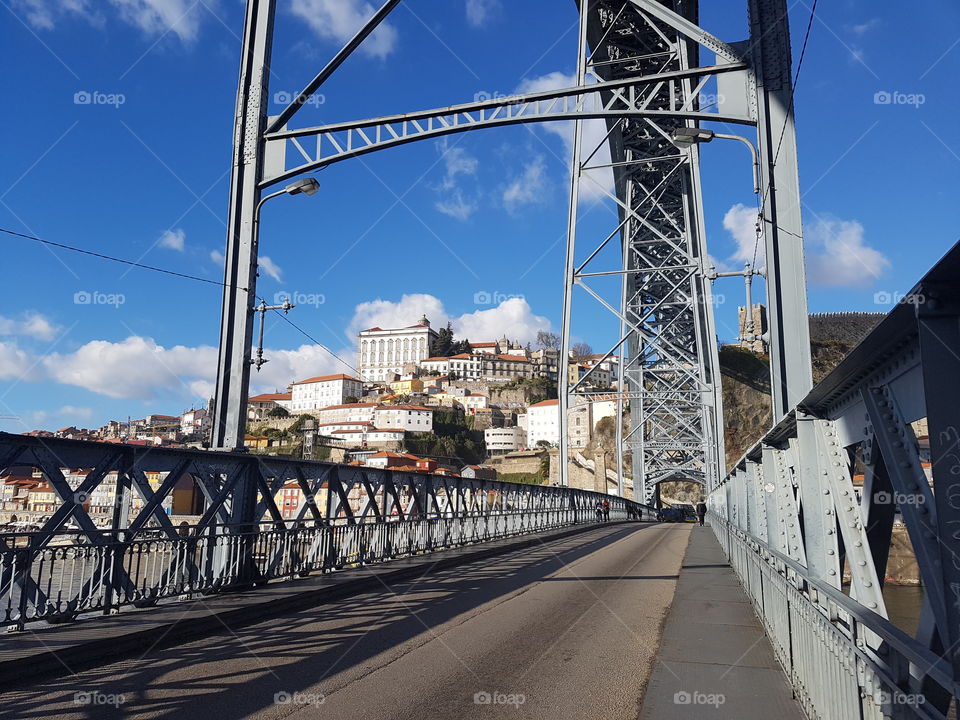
[(567, 629)]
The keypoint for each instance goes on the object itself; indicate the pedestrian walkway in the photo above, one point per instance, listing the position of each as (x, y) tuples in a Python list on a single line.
[(714, 660)]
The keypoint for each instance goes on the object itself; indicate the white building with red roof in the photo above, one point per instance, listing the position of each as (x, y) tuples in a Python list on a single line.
[(259, 406), (323, 391), (383, 353)]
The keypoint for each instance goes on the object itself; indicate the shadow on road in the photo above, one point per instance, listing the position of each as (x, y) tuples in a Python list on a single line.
[(302, 649)]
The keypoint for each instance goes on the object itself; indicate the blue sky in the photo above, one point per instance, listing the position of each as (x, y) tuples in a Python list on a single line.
[(141, 172)]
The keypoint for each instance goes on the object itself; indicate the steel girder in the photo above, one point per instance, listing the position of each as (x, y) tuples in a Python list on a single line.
[(863, 417), (670, 368)]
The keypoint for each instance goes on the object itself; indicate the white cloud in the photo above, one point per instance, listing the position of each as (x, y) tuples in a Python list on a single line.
[(837, 255), (217, 257), (457, 162), (512, 317), (339, 20), (270, 268), (387, 314), (287, 366), (528, 189), (154, 17), (16, 364), (456, 205), (595, 183), (741, 222), (479, 11), (864, 28), (72, 411), (31, 325), (134, 368), (173, 239)]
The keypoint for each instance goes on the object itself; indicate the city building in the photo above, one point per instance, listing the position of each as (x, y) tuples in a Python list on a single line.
[(320, 392), (260, 406), (543, 423), (383, 353), (412, 418), (504, 439)]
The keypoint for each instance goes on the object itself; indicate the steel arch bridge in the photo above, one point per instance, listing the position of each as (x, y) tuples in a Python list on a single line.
[(640, 73)]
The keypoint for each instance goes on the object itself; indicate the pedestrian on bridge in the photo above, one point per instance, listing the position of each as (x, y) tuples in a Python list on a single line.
[(599, 511), (701, 512), (606, 510)]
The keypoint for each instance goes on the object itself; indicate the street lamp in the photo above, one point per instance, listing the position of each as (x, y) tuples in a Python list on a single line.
[(306, 186), (685, 136)]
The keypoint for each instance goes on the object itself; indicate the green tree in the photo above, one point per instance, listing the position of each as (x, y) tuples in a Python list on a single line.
[(278, 412)]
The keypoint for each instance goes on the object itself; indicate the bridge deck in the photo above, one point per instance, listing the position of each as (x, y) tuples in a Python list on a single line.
[(568, 626), (714, 648)]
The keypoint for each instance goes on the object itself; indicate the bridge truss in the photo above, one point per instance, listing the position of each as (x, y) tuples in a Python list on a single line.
[(640, 73)]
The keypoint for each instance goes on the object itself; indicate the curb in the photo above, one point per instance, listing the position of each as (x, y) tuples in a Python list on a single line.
[(69, 660)]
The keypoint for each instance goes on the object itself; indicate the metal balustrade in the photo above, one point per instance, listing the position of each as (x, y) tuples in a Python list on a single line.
[(352, 516), (795, 526)]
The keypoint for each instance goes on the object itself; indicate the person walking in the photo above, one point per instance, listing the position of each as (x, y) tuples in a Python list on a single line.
[(599, 511), (701, 512), (606, 510)]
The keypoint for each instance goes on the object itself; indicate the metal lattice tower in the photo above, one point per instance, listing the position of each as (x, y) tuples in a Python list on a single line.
[(640, 72)]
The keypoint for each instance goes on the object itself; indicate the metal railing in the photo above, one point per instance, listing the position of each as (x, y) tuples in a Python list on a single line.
[(812, 547), (350, 516)]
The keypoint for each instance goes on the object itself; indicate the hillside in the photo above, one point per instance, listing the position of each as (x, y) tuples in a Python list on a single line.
[(746, 375)]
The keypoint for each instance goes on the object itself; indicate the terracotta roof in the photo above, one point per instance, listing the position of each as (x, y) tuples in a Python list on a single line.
[(483, 344), (326, 378), (373, 329), (405, 407), (348, 405), (513, 358), (346, 422), (267, 397), (435, 359), (545, 403), (462, 356)]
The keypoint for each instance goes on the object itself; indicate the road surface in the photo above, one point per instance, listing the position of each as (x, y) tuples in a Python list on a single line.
[(567, 629)]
